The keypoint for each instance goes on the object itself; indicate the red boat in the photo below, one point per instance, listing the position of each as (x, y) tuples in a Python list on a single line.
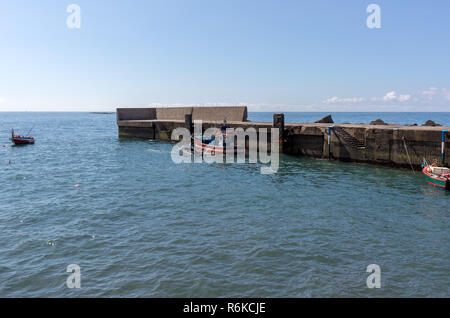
[(437, 176), (21, 140), (217, 144)]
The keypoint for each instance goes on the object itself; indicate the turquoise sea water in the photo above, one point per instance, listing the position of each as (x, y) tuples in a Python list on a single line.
[(139, 225)]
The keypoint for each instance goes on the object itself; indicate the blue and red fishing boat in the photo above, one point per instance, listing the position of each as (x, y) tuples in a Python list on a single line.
[(21, 140), (220, 143), (437, 176)]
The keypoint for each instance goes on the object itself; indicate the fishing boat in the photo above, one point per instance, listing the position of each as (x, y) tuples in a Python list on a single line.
[(217, 144), (21, 140), (437, 176)]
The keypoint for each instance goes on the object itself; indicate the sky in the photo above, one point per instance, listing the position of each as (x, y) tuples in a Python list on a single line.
[(281, 55)]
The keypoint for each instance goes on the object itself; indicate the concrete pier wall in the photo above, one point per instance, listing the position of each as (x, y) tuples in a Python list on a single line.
[(393, 145), (223, 113), (135, 113)]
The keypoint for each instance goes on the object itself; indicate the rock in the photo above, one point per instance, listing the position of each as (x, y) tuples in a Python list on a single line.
[(430, 123), (378, 122), (327, 119), (412, 124)]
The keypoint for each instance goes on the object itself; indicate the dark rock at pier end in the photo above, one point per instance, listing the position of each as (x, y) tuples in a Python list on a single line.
[(378, 122), (327, 119), (431, 123)]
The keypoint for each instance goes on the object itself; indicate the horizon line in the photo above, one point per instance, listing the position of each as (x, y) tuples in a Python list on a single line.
[(254, 111)]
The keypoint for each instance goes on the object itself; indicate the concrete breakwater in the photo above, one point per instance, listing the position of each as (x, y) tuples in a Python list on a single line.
[(393, 145)]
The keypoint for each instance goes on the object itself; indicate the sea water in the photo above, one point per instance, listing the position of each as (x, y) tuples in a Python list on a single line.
[(139, 225)]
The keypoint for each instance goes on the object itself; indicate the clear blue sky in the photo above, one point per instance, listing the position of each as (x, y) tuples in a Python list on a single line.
[(270, 55)]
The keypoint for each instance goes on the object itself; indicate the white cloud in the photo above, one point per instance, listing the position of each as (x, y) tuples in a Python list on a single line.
[(390, 96), (404, 98), (392, 100), (431, 92), (446, 93), (2, 100), (331, 100), (437, 95)]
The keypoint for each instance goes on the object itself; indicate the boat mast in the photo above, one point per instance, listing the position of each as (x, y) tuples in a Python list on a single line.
[(28, 133)]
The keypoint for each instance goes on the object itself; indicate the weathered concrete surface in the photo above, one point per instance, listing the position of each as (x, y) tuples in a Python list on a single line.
[(227, 113), (135, 113), (176, 113), (382, 144), (158, 123)]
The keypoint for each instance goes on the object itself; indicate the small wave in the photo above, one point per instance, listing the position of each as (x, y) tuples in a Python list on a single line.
[(156, 151)]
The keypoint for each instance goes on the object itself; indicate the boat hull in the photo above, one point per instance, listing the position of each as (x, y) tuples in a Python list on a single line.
[(437, 181), (22, 141), (214, 149)]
